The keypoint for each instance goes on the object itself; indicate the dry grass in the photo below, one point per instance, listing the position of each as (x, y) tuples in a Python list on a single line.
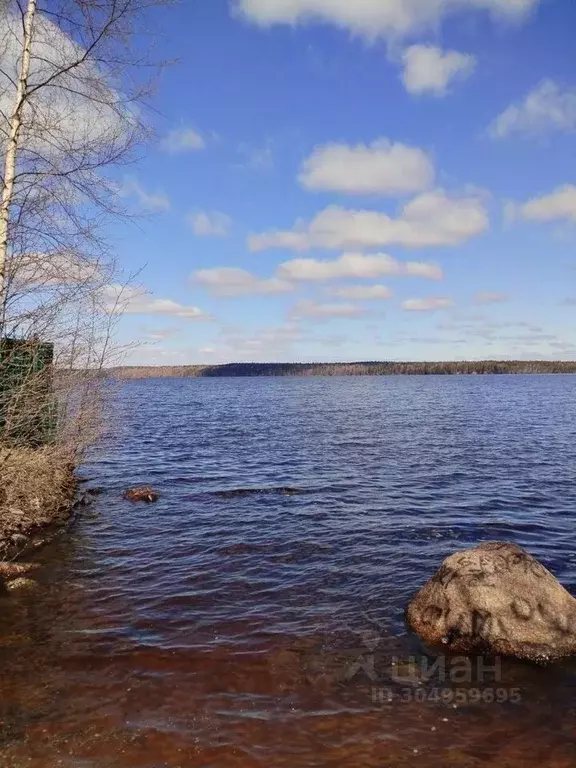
[(36, 491)]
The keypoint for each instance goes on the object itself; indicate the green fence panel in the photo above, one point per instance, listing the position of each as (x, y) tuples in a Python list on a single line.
[(28, 409)]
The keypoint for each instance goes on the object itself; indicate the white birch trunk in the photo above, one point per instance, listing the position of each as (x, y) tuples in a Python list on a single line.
[(12, 145)]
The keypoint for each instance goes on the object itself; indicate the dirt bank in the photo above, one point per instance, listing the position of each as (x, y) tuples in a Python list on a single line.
[(37, 492)]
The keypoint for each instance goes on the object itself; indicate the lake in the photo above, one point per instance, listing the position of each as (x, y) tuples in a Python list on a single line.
[(227, 628)]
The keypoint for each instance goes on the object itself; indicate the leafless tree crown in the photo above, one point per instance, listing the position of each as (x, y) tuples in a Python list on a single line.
[(75, 77)]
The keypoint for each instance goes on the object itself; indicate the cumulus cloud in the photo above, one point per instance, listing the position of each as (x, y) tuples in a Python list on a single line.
[(79, 113), (138, 301), (426, 305), (424, 269), (559, 204), (313, 309), (209, 223), (182, 140), (548, 108), (429, 69), (150, 306), (378, 168), (355, 265), (233, 281), (362, 292), (53, 270), (430, 219), (374, 18), (152, 202), (490, 297)]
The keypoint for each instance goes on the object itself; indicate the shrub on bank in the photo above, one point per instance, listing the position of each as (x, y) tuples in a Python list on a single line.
[(36, 492)]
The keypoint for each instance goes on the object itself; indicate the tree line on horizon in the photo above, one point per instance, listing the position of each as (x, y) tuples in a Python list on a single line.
[(372, 368)]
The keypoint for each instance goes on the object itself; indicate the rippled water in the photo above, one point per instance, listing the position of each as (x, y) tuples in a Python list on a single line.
[(218, 629)]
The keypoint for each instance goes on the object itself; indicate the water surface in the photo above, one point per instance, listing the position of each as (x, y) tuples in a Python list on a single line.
[(217, 629)]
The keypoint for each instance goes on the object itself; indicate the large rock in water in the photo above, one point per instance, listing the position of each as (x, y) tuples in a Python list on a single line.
[(497, 599)]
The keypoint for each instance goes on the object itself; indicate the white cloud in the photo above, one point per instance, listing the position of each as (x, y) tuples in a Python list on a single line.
[(161, 334), (379, 168), (78, 114), (424, 269), (313, 309), (429, 69), (426, 305), (355, 265), (560, 204), (362, 292), (182, 140), (490, 297), (233, 281), (152, 202), (374, 18), (57, 269), (547, 108), (209, 223), (137, 301), (150, 306), (430, 219), (346, 266)]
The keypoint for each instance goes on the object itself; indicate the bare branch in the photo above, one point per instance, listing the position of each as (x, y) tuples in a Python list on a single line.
[(73, 105)]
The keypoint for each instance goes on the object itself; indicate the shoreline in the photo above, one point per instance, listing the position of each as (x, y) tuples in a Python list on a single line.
[(39, 498), (478, 367)]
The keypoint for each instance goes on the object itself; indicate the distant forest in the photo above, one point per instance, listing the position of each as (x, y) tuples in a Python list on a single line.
[(482, 367)]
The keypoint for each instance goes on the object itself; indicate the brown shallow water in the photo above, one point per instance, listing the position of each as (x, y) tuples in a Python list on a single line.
[(217, 629)]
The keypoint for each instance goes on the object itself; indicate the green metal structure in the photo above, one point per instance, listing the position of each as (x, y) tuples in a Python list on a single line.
[(28, 410)]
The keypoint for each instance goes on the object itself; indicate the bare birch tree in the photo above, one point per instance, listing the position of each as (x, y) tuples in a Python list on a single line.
[(75, 76)]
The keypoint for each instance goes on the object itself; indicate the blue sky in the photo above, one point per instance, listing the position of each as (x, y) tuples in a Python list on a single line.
[(383, 179)]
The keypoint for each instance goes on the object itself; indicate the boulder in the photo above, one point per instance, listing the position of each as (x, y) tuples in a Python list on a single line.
[(495, 598), (141, 494)]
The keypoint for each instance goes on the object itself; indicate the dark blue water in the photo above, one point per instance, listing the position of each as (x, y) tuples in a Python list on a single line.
[(218, 628)]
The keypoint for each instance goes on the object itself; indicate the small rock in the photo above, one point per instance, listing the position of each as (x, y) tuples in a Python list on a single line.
[(496, 598), (22, 584), (141, 494), (19, 540), (11, 571)]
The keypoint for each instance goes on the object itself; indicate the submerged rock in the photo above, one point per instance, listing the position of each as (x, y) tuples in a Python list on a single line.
[(141, 494), (22, 584), (10, 571), (495, 598)]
